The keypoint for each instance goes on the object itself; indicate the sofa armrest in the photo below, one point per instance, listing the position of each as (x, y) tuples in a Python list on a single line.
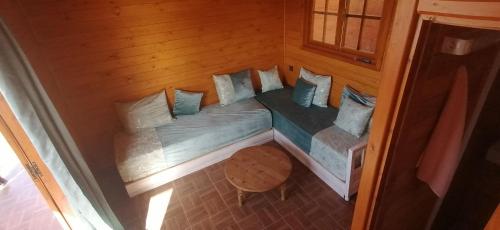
[(355, 159), (356, 154)]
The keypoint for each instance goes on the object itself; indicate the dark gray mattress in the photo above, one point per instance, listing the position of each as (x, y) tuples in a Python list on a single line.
[(297, 123)]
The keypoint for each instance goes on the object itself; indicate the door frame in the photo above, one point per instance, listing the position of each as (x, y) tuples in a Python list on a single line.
[(388, 99), (394, 85), (45, 182)]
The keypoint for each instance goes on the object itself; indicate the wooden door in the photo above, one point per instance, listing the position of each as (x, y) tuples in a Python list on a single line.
[(404, 202), (29, 158), (483, 9)]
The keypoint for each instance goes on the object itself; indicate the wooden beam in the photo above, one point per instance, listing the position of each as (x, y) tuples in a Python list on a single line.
[(395, 62)]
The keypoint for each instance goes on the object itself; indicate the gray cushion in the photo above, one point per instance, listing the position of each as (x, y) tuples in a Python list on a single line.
[(355, 95), (353, 117), (270, 79), (303, 93), (359, 97), (187, 103), (148, 112), (234, 87), (323, 84), (330, 147)]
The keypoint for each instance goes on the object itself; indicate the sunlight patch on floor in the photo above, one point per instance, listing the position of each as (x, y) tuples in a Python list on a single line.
[(158, 205)]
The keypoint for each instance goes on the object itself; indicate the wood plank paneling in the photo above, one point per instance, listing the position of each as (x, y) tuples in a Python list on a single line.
[(91, 53), (361, 78)]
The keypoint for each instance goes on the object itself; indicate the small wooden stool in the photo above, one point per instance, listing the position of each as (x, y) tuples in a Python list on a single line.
[(258, 169)]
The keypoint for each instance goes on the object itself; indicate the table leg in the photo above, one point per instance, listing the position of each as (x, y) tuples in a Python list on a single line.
[(283, 191), (240, 197)]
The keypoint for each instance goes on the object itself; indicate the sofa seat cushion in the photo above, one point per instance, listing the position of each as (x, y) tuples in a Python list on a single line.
[(297, 123), (330, 148), (189, 137), (215, 126), (138, 155)]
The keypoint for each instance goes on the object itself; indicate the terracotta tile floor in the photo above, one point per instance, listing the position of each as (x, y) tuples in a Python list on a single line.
[(205, 200)]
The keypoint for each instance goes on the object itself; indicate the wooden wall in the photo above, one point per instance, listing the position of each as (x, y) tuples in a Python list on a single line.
[(361, 78), (91, 53)]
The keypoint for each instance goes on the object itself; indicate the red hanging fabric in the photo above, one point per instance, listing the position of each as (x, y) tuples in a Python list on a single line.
[(443, 152)]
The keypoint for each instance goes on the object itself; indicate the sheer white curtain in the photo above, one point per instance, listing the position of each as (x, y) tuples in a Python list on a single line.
[(43, 125)]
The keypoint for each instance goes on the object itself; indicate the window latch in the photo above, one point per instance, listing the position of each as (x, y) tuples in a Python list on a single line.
[(364, 60)]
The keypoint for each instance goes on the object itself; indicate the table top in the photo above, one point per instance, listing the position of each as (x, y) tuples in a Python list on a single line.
[(258, 168)]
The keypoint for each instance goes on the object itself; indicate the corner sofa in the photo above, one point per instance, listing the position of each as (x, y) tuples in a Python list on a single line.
[(159, 155), (309, 134)]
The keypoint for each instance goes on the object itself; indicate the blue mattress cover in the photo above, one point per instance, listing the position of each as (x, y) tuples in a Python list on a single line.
[(215, 126), (297, 123)]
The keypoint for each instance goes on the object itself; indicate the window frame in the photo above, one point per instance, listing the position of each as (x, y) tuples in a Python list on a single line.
[(337, 51)]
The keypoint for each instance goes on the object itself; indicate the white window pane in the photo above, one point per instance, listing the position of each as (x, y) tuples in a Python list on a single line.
[(318, 27), (331, 29)]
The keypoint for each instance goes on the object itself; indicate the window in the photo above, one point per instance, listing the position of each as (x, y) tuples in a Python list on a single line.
[(353, 30)]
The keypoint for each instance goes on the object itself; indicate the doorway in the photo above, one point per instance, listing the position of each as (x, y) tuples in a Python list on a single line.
[(475, 191), (21, 203), (405, 202)]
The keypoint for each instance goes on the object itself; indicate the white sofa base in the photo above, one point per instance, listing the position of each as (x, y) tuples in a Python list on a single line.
[(353, 172), (344, 189), (168, 175)]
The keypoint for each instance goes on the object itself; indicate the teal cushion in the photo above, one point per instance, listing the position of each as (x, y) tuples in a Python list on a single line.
[(358, 97), (242, 84), (303, 93), (187, 103), (353, 117), (299, 124), (323, 84)]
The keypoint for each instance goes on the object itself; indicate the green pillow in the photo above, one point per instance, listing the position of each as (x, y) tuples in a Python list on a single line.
[(303, 93), (187, 103)]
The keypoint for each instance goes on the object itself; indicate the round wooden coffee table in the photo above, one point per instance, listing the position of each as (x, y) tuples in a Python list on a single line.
[(258, 169)]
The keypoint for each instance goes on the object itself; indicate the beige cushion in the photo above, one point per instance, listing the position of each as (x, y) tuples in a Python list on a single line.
[(323, 85), (234, 87), (270, 79), (148, 112)]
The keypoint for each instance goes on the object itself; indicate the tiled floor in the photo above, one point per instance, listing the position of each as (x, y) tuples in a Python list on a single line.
[(21, 204), (205, 200)]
